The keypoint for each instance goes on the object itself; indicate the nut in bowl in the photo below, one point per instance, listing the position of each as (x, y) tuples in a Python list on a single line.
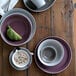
[(20, 58), (65, 62), (17, 27)]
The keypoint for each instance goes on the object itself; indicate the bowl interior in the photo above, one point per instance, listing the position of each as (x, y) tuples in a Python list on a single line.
[(21, 24), (23, 54)]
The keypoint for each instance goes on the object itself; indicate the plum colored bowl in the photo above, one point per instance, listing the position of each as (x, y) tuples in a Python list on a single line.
[(22, 22), (61, 66)]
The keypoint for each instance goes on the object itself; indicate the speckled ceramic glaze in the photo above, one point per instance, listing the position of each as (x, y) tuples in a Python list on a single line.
[(20, 68)]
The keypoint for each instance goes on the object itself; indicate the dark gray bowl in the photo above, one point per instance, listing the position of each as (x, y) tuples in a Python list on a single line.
[(49, 3), (63, 64)]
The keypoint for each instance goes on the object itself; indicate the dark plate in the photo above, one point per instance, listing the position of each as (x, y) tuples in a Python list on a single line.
[(49, 3), (61, 66)]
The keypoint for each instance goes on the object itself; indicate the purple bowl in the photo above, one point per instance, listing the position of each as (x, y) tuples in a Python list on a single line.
[(62, 65), (21, 23)]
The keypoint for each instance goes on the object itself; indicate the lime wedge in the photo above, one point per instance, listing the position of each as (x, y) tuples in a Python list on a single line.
[(12, 34)]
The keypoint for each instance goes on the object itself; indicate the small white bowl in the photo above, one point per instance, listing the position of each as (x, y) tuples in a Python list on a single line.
[(20, 66), (23, 64)]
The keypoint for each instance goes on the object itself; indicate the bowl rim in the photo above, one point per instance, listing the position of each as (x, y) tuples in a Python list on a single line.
[(21, 68)]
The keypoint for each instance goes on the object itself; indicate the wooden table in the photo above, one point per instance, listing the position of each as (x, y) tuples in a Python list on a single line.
[(56, 21)]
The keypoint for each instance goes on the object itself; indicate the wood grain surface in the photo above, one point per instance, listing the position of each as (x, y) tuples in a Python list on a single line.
[(74, 32), (56, 21)]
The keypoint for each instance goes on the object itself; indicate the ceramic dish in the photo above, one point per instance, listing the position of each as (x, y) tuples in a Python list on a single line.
[(49, 3), (18, 11), (61, 66), (20, 68)]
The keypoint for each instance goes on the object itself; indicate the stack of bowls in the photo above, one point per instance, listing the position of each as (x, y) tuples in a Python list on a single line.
[(53, 55)]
